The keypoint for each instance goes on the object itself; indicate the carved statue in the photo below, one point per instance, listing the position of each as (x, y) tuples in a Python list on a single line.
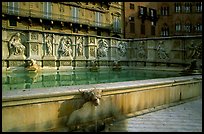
[(162, 52), (122, 48), (141, 50), (32, 66), (92, 95), (49, 45), (195, 50), (65, 47), (15, 45), (79, 46), (103, 48)]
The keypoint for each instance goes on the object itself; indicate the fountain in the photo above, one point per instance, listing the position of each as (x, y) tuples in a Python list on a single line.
[(58, 104)]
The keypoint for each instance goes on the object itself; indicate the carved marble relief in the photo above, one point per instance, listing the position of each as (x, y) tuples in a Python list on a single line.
[(161, 52), (194, 50), (91, 40), (65, 48), (34, 36), (122, 48), (102, 48), (34, 49), (79, 45), (141, 50), (49, 44), (92, 51), (15, 45)]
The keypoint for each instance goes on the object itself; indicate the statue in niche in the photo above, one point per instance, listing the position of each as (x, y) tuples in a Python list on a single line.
[(162, 52), (79, 46), (122, 48), (49, 44), (141, 50), (195, 51), (65, 47), (103, 48), (15, 45)]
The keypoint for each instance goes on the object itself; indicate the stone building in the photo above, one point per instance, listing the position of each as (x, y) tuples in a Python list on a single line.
[(94, 18), (150, 19), (56, 33)]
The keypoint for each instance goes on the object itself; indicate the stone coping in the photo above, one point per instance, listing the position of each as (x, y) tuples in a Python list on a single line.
[(27, 94)]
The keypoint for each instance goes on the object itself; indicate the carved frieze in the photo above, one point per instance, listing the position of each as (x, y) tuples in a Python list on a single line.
[(49, 44), (194, 50), (79, 45), (141, 53), (15, 45), (161, 52), (102, 48), (65, 48), (122, 48)]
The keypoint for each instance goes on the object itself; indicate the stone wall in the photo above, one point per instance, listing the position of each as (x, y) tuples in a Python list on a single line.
[(62, 51)]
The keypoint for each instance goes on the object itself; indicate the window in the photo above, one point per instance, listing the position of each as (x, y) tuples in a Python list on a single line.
[(199, 7), (177, 7), (152, 13), (142, 10), (116, 24), (75, 14), (132, 27), (12, 22), (98, 18), (165, 30), (164, 11), (132, 6), (142, 28), (198, 28), (188, 7), (178, 27), (47, 8), (13, 8)]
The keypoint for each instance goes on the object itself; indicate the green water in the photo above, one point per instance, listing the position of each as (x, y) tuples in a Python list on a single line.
[(15, 81)]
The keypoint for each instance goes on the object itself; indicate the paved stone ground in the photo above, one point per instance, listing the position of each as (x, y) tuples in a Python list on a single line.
[(186, 117)]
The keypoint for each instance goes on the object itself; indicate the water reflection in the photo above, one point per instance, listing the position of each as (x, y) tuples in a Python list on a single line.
[(40, 80)]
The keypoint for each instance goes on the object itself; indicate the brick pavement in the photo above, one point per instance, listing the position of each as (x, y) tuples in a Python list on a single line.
[(186, 117)]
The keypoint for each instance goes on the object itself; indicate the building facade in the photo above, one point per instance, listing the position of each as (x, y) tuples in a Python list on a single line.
[(92, 18), (150, 19)]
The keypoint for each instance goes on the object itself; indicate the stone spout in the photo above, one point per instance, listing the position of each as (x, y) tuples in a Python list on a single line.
[(92, 95)]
